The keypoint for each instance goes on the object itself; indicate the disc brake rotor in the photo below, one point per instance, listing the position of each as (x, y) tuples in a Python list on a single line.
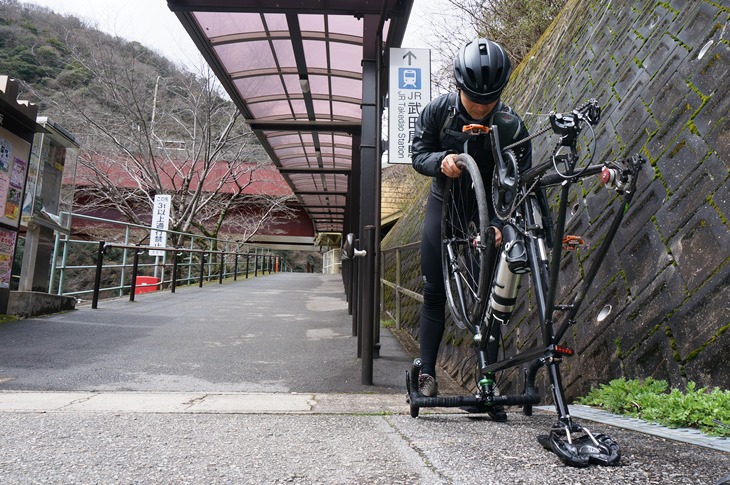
[(505, 183)]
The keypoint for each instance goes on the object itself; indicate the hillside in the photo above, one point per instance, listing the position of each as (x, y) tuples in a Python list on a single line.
[(48, 53)]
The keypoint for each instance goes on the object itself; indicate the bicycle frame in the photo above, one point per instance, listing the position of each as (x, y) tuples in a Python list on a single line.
[(526, 218)]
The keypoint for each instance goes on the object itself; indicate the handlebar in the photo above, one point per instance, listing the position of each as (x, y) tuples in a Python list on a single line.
[(615, 173)]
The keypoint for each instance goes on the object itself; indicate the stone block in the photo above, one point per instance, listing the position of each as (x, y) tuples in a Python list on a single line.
[(700, 319), (671, 106), (719, 139), (650, 196), (714, 113), (690, 196), (598, 298), (649, 310), (643, 258), (597, 365), (700, 247), (709, 368), (661, 57), (606, 144), (634, 125), (630, 81), (694, 26), (708, 66), (683, 156), (721, 198), (653, 358)]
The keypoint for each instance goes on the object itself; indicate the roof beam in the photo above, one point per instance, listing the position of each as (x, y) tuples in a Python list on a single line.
[(314, 170), (331, 7), (319, 192), (333, 126)]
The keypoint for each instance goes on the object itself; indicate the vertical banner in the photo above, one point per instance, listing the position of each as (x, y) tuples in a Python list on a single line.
[(160, 221), (409, 90)]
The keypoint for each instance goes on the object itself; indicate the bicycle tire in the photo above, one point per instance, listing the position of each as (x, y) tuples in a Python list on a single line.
[(464, 223)]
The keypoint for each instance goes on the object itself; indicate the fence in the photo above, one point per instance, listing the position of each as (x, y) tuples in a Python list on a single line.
[(193, 259), (400, 276), (332, 262)]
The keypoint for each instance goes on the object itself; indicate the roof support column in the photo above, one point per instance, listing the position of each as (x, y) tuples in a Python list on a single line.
[(352, 225), (370, 193)]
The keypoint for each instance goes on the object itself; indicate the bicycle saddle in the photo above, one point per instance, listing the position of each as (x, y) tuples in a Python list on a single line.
[(583, 451)]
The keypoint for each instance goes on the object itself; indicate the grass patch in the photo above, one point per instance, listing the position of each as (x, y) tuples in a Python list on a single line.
[(652, 400)]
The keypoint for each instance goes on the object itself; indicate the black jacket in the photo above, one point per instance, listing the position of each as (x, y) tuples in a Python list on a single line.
[(438, 133)]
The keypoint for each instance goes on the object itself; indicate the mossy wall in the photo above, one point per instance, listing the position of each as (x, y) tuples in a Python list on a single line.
[(659, 69)]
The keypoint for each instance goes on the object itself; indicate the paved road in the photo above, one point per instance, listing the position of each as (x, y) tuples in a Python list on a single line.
[(258, 382)]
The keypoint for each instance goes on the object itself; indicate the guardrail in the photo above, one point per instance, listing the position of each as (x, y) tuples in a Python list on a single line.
[(190, 264), (205, 257), (396, 268)]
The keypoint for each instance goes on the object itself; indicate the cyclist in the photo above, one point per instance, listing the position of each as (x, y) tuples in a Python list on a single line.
[(481, 71)]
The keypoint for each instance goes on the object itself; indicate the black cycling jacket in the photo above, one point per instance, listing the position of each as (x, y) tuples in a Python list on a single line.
[(438, 133)]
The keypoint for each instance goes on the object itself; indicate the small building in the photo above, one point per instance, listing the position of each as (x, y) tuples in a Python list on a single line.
[(47, 203)]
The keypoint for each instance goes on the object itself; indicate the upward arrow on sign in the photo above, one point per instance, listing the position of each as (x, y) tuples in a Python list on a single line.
[(410, 55)]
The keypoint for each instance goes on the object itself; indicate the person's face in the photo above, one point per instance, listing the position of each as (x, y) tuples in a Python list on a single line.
[(476, 110)]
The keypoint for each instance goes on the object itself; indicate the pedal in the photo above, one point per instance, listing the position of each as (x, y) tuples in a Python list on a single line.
[(571, 243)]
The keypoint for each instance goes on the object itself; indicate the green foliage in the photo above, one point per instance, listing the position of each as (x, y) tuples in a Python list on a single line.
[(650, 399)]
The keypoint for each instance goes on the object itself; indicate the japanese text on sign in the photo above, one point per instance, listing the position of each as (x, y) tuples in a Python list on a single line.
[(409, 91), (160, 221)]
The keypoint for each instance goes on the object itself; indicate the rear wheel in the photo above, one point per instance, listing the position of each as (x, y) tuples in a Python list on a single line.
[(466, 244)]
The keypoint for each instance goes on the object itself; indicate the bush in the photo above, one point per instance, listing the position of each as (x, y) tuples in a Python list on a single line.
[(707, 410)]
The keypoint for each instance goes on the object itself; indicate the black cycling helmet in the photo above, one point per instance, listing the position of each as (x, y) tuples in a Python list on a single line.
[(482, 69)]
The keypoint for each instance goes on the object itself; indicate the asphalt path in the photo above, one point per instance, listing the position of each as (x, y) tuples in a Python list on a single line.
[(258, 381)]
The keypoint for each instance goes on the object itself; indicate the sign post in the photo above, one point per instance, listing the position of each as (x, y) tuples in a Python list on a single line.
[(160, 222), (409, 91)]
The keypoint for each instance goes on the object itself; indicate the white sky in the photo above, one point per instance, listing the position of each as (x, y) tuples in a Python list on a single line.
[(151, 23)]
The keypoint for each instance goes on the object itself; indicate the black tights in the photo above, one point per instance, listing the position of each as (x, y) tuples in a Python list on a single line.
[(432, 321)]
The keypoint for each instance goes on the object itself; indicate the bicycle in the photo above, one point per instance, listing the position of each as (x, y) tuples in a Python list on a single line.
[(482, 281)]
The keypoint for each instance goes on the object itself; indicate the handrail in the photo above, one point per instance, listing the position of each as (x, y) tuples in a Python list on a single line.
[(218, 261), (396, 285)]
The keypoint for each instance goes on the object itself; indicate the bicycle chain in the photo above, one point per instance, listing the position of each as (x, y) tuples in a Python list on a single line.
[(529, 138)]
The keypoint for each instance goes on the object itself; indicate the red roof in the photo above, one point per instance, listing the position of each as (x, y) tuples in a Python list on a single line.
[(256, 179)]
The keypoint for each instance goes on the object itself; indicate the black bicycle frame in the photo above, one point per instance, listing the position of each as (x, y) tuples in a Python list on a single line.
[(551, 353)]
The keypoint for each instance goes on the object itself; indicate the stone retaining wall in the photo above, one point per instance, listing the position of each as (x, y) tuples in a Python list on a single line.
[(659, 69)]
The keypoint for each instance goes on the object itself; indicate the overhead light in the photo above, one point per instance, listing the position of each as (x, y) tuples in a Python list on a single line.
[(305, 85)]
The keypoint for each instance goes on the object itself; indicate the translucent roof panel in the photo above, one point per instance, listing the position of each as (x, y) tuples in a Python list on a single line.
[(294, 69)]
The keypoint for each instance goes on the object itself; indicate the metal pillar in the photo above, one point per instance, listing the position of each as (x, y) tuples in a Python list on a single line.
[(369, 186)]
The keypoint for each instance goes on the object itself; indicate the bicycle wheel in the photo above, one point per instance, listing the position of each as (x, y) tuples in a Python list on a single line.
[(466, 245)]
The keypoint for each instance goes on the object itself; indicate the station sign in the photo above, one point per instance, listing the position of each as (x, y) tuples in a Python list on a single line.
[(409, 90)]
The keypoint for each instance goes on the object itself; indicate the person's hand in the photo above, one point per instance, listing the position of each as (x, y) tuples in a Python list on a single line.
[(448, 166), (497, 236)]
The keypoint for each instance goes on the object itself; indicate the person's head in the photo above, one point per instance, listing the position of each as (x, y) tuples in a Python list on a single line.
[(481, 70)]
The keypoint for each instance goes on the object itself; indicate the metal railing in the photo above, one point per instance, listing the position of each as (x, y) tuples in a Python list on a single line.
[(195, 258), (332, 261), (396, 272)]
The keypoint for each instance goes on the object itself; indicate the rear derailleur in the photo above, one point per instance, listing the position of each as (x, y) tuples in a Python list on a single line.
[(581, 451)]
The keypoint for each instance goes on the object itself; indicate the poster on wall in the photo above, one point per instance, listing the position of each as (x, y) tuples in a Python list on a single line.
[(14, 154), (7, 248)]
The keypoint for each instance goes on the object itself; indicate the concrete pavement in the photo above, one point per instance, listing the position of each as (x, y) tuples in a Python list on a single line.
[(258, 382)]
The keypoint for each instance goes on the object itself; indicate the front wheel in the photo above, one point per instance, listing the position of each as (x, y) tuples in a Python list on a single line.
[(467, 244)]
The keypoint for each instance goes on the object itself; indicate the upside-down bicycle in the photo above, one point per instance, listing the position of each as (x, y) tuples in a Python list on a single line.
[(482, 281)]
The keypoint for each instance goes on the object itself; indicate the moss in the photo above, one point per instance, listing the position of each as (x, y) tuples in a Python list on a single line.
[(711, 202)]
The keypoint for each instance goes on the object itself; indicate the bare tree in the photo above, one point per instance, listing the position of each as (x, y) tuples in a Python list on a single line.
[(149, 128), (515, 24)]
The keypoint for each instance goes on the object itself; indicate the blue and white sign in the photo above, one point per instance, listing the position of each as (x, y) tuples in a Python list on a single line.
[(409, 90)]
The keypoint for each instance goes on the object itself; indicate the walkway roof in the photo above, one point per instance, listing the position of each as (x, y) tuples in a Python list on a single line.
[(294, 69)]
